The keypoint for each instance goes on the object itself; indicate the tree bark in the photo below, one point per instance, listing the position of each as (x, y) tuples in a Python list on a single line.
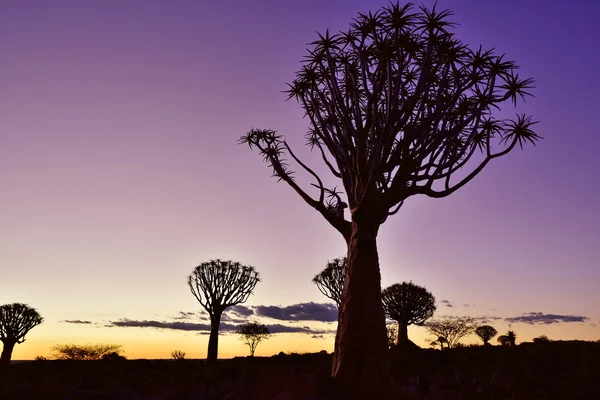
[(402, 333), (213, 340), (7, 351), (361, 364)]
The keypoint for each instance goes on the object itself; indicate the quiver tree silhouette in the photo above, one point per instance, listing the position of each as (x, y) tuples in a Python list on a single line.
[(486, 333), (510, 339), (252, 333), (407, 304), (330, 281), (449, 331), (16, 320), (218, 285), (396, 106)]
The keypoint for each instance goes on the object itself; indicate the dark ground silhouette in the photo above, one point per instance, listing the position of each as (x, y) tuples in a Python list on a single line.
[(554, 370)]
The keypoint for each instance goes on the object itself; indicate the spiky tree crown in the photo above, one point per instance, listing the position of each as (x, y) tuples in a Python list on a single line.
[(397, 104), (409, 303), (16, 320), (219, 284), (330, 281)]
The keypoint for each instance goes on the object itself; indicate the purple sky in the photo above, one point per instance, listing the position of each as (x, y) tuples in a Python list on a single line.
[(120, 172)]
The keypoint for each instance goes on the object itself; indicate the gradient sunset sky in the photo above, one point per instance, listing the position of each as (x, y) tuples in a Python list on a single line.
[(120, 172)]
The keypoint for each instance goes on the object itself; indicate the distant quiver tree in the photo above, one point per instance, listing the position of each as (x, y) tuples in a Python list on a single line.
[(330, 281), (16, 320), (407, 304), (218, 285), (397, 107), (486, 333)]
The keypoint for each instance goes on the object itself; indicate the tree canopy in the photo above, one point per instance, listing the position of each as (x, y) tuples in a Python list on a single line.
[(451, 330), (407, 302), (486, 333), (16, 320), (252, 333), (330, 281), (397, 105)]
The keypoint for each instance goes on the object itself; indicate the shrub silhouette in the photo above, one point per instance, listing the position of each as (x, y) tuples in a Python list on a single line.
[(85, 352), (113, 356), (16, 320), (541, 339), (449, 331), (330, 281), (178, 355), (486, 333), (252, 333), (397, 106), (218, 285), (407, 304)]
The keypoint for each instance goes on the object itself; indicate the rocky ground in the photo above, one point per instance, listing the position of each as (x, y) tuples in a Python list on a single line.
[(556, 370)]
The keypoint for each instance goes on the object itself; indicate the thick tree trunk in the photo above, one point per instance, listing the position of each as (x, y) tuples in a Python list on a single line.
[(7, 351), (213, 340), (361, 364), (402, 333)]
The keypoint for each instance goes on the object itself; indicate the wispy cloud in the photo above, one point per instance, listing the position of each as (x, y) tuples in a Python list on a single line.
[(77, 321), (446, 303), (486, 319), (546, 319)]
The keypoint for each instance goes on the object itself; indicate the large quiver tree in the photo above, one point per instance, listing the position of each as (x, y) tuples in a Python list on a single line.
[(16, 320), (397, 106), (330, 280), (218, 285), (407, 304)]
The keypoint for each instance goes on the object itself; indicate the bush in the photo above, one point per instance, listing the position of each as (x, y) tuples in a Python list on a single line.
[(178, 355), (85, 352)]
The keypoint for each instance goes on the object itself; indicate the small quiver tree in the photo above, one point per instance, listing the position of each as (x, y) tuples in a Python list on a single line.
[(407, 304), (397, 107), (486, 333), (252, 333), (330, 281), (218, 285), (16, 320)]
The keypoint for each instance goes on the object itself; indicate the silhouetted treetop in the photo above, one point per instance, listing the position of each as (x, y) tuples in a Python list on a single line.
[(486, 333), (408, 302), (222, 283), (399, 103), (330, 281), (16, 320), (252, 333), (451, 330)]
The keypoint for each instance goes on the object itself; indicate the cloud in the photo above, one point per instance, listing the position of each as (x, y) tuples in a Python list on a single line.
[(323, 312), (447, 303), (241, 310), (486, 319), (546, 319), (77, 321), (318, 337), (186, 315), (205, 328), (177, 325)]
